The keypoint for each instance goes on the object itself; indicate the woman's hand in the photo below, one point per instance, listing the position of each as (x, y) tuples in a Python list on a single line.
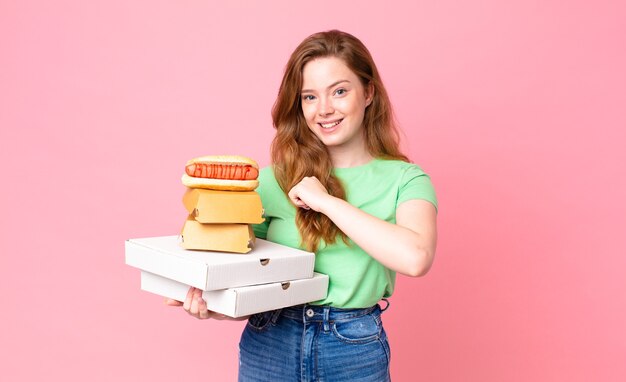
[(309, 194), (195, 305)]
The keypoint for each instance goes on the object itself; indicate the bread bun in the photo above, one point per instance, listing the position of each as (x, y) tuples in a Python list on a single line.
[(220, 184)]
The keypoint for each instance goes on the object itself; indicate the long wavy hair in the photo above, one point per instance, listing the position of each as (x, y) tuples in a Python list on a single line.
[(297, 152)]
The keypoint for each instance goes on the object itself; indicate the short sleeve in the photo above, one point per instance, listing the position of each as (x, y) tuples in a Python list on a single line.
[(266, 180), (260, 230), (416, 184)]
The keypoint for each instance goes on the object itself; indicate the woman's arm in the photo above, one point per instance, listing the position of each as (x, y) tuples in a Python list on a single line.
[(407, 247)]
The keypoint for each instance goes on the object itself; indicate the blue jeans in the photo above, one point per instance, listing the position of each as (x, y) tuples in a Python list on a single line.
[(314, 343)]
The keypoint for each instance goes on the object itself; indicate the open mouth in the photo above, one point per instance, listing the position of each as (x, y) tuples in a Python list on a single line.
[(330, 125)]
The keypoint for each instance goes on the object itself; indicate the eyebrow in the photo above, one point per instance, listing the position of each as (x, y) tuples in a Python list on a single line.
[(330, 86)]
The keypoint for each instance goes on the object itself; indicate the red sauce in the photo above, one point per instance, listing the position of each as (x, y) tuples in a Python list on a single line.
[(230, 171)]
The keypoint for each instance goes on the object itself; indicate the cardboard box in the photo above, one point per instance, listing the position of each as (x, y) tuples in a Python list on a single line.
[(217, 237), (243, 301), (211, 206), (267, 263)]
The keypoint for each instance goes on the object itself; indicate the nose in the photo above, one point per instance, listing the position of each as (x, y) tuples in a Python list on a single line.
[(325, 107)]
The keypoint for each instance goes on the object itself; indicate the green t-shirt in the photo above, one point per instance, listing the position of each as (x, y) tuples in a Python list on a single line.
[(357, 280)]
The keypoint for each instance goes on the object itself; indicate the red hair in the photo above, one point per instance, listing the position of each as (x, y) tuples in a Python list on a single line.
[(297, 152)]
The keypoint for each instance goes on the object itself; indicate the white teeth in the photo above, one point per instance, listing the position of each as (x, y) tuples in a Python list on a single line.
[(329, 125)]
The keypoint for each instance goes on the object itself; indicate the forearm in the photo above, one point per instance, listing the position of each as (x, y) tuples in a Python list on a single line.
[(398, 248)]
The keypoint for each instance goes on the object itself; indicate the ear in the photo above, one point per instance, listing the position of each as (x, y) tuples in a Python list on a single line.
[(369, 94)]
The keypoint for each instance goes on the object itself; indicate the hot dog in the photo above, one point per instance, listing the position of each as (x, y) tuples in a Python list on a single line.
[(222, 172)]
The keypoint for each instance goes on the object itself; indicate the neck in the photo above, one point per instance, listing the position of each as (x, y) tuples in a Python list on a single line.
[(349, 158)]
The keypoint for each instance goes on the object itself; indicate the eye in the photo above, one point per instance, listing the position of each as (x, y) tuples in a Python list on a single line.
[(340, 91), (308, 97)]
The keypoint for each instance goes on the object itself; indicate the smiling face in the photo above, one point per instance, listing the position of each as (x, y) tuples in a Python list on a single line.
[(333, 104)]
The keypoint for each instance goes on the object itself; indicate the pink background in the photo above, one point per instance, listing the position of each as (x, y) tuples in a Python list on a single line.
[(516, 109)]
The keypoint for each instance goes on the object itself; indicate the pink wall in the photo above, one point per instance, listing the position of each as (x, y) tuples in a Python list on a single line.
[(516, 109)]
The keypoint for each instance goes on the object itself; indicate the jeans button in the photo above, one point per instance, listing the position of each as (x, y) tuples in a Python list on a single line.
[(310, 313)]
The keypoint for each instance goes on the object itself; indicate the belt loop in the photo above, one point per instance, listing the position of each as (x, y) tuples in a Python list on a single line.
[(386, 306), (326, 318)]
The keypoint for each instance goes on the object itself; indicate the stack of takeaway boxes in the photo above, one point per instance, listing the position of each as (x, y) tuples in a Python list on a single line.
[(218, 253)]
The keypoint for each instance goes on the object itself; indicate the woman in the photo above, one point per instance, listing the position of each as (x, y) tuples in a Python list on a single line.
[(340, 187)]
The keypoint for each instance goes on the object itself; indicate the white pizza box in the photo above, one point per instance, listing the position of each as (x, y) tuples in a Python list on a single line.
[(243, 301), (267, 263)]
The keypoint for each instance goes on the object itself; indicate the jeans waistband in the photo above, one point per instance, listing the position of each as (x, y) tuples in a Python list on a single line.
[(323, 313)]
